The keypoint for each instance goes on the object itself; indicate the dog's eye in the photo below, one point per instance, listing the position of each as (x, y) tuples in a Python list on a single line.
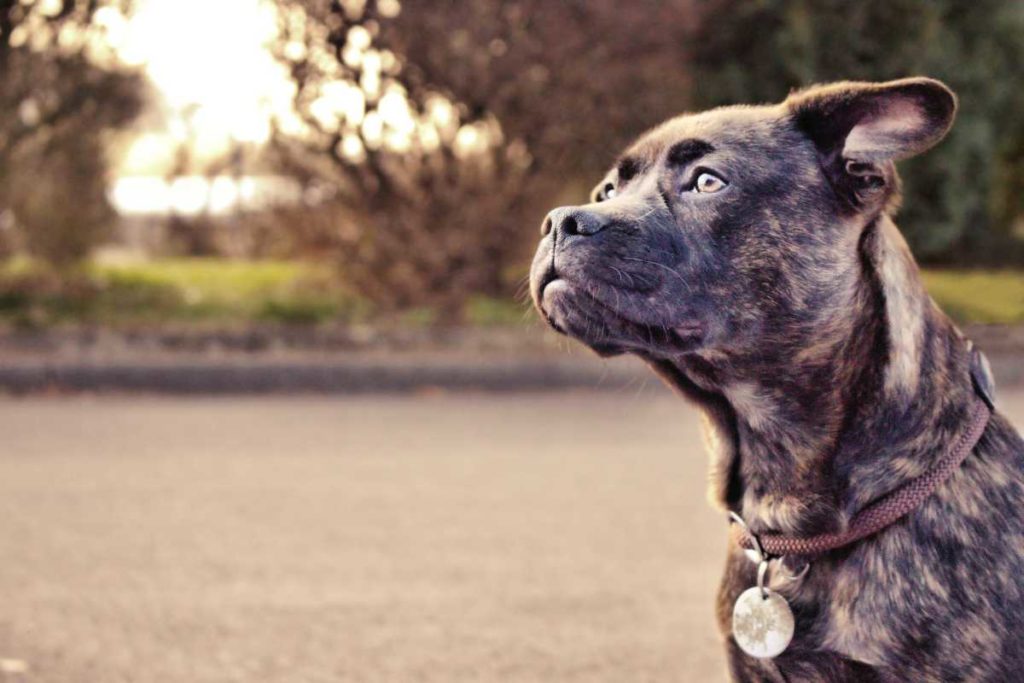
[(708, 183), (607, 192)]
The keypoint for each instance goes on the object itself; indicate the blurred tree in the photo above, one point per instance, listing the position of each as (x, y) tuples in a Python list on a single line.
[(60, 94), (444, 130), (574, 80), (963, 199), (57, 192), (407, 179)]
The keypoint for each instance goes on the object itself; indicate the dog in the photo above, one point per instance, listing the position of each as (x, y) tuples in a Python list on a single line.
[(748, 254)]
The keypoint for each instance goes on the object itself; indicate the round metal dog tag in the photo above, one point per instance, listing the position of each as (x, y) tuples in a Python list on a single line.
[(762, 623)]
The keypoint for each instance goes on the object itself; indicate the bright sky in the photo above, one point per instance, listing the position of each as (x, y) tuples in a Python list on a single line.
[(207, 58), (210, 63)]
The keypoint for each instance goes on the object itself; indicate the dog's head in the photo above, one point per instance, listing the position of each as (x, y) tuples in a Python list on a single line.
[(733, 228)]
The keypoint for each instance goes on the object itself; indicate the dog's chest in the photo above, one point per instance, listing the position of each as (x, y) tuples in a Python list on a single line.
[(893, 604), (856, 617)]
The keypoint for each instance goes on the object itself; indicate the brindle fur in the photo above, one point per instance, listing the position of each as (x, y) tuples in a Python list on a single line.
[(789, 309)]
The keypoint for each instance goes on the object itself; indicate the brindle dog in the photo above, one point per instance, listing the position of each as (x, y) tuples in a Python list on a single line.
[(748, 254)]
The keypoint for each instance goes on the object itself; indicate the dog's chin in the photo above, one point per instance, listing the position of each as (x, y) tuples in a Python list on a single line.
[(582, 316)]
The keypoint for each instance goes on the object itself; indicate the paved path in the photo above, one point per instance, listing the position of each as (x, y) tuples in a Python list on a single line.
[(420, 538)]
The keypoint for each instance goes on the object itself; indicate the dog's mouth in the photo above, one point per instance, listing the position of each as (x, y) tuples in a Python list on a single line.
[(550, 289), (583, 314)]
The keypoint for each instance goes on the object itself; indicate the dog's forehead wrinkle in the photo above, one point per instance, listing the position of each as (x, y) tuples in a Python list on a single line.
[(743, 127)]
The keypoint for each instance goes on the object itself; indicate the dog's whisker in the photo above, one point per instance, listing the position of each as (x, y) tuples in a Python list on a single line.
[(674, 272)]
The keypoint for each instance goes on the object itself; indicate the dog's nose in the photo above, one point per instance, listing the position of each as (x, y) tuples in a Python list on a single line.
[(573, 220)]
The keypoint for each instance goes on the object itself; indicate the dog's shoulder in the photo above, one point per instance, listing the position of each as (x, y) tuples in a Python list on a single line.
[(936, 590)]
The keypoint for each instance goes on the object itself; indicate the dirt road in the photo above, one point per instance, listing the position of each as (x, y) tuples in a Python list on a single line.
[(426, 538)]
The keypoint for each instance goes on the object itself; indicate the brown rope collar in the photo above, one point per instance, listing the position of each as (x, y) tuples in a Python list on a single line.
[(884, 511)]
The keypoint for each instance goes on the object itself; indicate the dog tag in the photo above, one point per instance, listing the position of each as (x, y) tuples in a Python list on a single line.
[(762, 623)]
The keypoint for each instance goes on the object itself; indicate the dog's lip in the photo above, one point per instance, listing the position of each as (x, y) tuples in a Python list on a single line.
[(684, 333), (548, 276), (551, 283), (555, 284), (684, 330)]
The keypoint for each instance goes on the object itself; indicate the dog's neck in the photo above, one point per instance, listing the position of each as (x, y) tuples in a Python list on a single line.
[(815, 427)]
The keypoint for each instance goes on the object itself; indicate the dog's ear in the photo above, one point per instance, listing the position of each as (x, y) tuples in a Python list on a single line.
[(875, 122), (861, 128)]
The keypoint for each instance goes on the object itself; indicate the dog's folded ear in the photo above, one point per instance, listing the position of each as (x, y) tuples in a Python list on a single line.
[(871, 123)]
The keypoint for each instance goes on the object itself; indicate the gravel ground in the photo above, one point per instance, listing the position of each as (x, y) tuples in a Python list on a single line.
[(418, 538)]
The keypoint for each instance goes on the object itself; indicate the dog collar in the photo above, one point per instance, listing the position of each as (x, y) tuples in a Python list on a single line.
[(884, 511), (763, 623)]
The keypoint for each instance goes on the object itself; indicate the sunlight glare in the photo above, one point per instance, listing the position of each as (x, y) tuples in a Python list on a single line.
[(212, 54)]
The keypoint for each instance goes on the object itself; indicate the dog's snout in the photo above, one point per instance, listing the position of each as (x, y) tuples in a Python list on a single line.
[(574, 220)]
